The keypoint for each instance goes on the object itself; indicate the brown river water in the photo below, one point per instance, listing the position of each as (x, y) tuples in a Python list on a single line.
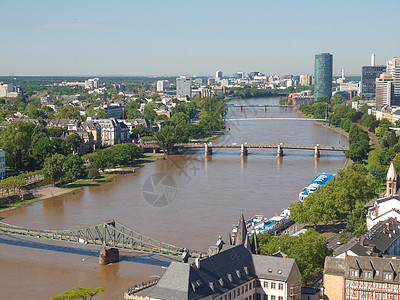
[(210, 194)]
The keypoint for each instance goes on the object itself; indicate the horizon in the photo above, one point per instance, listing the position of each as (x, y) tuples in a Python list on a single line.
[(145, 39)]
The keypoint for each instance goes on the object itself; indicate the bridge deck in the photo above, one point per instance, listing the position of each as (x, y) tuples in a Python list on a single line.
[(283, 146)]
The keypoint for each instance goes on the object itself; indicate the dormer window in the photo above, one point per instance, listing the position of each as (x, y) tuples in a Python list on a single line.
[(388, 276), (368, 274), (354, 273)]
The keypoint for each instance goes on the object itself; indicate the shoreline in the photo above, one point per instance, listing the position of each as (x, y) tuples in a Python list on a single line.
[(49, 191)]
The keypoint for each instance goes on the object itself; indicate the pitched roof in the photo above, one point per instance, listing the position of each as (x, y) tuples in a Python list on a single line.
[(220, 273)]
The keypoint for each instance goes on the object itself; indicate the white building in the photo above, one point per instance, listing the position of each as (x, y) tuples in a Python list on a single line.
[(2, 164), (5, 89), (393, 68), (162, 85), (218, 75), (92, 83), (384, 89), (389, 206), (305, 80)]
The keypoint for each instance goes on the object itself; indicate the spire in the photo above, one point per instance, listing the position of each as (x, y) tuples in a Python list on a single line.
[(255, 247), (242, 238), (391, 181), (391, 174)]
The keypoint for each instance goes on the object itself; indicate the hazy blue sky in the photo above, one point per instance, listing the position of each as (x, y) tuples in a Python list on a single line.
[(89, 37)]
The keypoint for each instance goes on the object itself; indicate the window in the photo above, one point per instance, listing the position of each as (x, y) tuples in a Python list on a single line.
[(238, 291), (258, 283), (280, 287), (250, 297), (265, 297), (388, 276), (367, 274), (273, 297), (266, 284), (242, 289), (354, 273), (280, 298), (258, 296), (234, 293), (273, 285), (245, 289)]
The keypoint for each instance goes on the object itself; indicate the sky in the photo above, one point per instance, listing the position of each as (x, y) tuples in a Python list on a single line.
[(157, 38)]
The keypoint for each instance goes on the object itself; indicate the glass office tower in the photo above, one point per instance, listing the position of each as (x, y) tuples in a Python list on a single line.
[(323, 75)]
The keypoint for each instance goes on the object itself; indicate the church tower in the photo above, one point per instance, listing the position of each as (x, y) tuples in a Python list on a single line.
[(391, 181)]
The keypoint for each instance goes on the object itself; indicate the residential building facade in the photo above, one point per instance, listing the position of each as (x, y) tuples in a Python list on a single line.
[(384, 90), (361, 278)]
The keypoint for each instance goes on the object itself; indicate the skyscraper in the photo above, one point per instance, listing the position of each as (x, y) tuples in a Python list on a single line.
[(323, 75), (384, 90), (393, 68), (369, 74), (218, 75), (184, 86)]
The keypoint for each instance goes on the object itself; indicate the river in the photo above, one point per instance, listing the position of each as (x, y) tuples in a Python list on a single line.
[(207, 197)]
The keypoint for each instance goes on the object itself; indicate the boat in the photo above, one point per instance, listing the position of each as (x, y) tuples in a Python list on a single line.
[(319, 181), (261, 225)]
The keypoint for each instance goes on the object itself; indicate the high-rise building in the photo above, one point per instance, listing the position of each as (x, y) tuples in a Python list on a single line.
[(92, 83), (218, 75), (184, 86), (369, 74), (238, 75), (323, 75), (162, 85), (384, 89), (305, 80), (393, 68)]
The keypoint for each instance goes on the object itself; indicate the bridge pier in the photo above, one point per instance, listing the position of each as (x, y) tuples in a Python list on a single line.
[(241, 108), (265, 108), (316, 151), (108, 256), (155, 150), (279, 152), (243, 151), (207, 150)]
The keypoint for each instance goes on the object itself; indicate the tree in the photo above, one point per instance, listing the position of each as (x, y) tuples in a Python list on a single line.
[(68, 112), (72, 142), (73, 167), (309, 249), (93, 173), (80, 293), (179, 118), (357, 221), (53, 168), (169, 136)]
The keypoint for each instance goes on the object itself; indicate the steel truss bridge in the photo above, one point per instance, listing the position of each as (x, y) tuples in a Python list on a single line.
[(111, 234)]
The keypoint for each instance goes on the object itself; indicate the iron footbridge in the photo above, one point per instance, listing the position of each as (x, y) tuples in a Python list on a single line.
[(110, 234)]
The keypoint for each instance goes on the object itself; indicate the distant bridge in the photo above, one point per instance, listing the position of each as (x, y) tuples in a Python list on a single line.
[(111, 234), (244, 147), (265, 106), (277, 118)]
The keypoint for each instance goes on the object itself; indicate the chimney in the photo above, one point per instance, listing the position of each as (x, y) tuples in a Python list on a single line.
[(387, 226), (373, 59), (384, 229), (362, 241)]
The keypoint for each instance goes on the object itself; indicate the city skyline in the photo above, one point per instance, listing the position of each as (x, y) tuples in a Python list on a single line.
[(158, 38)]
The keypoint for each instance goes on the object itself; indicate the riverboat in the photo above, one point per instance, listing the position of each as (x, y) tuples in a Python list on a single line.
[(319, 181), (261, 225)]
